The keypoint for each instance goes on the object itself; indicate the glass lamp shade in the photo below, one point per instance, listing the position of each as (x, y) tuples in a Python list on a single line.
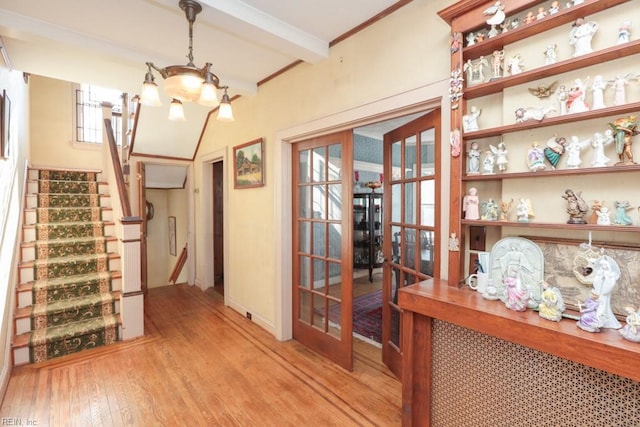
[(183, 83), (176, 112), (150, 95), (225, 113), (208, 95)]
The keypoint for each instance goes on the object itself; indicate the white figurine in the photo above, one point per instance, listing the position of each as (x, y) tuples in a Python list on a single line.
[(619, 86), (496, 12), (532, 113), (551, 54), (562, 96), (631, 331), (501, 156), (607, 273), (475, 70), (471, 39), (598, 142), (576, 98), (524, 210), (497, 59), (471, 204), (574, 148), (597, 92), (516, 64), (624, 33), (493, 32), (581, 35), (554, 8), (473, 159), (535, 158), (603, 216), (470, 120), (488, 163)]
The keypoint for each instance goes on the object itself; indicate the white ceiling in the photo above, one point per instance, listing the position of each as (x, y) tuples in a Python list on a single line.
[(107, 43)]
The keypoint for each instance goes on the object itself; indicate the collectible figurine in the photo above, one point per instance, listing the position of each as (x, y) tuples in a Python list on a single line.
[(603, 216), (576, 98), (497, 59), (631, 331), (607, 273), (501, 156), (504, 210), (624, 129), (454, 243), (516, 298), (475, 70), (488, 163), (496, 12), (554, 8), (535, 158), (454, 141), (574, 148), (619, 86), (456, 42), (576, 207), (490, 211), (555, 148), (551, 305), (524, 211), (493, 32), (543, 90), (473, 159), (471, 204), (551, 54), (529, 18), (471, 38), (516, 64), (598, 142), (589, 314), (455, 87), (597, 92), (470, 120), (541, 13), (624, 33), (581, 35), (562, 96), (622, 218), (532, 113)]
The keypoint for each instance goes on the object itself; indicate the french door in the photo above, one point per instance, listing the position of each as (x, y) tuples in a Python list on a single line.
[(322, 239), (411, 220)]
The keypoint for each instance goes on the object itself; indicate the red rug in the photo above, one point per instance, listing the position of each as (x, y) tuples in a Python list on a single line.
[(367, 316)]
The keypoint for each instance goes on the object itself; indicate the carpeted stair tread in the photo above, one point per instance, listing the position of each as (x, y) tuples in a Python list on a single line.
[(46, 186), (67, 175), (70, 310), (66, 304), (61, 282), (67, 331), (71, 259), (49, 249), (68, 214)]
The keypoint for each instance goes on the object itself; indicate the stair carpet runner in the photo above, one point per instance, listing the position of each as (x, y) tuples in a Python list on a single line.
[(73, 304)]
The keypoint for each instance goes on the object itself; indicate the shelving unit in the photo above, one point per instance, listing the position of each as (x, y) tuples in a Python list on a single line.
[(467, 16), (367, 231)]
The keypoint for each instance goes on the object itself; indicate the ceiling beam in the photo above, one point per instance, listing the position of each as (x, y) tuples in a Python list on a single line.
[(246, 21)]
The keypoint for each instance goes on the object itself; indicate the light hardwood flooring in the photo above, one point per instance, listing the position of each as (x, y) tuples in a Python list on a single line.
[(202, 364)]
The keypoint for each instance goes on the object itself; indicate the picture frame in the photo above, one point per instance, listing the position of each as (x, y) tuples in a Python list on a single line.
[(248, 164), (564, 268), (5, 124), (172, 236)]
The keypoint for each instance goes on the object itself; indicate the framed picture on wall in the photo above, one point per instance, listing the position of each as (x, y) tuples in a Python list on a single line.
[(248, 164), (5, 124), (172, 235)]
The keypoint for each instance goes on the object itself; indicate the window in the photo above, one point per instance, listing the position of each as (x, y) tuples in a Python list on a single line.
[(88, 111)]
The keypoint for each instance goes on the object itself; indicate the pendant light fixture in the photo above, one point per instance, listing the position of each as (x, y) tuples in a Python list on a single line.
[(187, 83)]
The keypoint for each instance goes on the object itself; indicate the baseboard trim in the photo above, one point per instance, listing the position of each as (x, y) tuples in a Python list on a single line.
[(255, 317)]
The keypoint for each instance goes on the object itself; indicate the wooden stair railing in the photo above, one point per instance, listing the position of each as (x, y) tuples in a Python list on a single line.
[(182, 259)]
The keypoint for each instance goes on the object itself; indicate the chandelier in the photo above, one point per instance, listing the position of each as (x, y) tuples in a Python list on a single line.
[(187, 83)]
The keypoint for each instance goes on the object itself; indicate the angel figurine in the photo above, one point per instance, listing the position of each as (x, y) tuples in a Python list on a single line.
[(475, 70), (603, 216), (589, 320), (500, 153), (497, 64), (504, 210), (473, 159), (471, 204), (524, 210), (607, 273), (580, 36), (576, 207), (598, 142), (516, 64), (624, 33), (622, 217), (470, 120), (490, 211), (576, 98), (535, 158), (551, 305), (619, 85), (554, 149), (597, 92), (631, 331), (574, 148), (623, 129), (496, 13), (551, 54), (488, 163)]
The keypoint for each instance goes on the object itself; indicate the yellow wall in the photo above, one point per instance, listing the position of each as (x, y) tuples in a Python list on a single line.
[(12, 179), (404, 51), (52, 128)]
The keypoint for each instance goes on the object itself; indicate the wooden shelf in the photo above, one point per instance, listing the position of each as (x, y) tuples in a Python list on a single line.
[(606, 350), (564, 16), (548, 225), (603, 55), (553, 121), (552, 173)]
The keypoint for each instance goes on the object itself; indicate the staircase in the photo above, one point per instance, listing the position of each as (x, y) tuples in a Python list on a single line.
[(68, 296)]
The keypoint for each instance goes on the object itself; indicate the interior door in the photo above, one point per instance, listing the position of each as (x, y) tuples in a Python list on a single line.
[(218, 224), (322, 246), (143, 210), (411, 220)]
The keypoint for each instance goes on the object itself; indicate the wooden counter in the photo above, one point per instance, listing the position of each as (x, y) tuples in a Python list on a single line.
[(435, 299)]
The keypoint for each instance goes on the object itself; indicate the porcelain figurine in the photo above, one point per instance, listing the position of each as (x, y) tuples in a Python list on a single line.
[(488, 163), (552, 304), (475, 70), (471, 38), (541, 13), (505, 207), (456, 42), (597, 92), (497, 64), (543, 90), (554, 149), (574, 149), (524, 211), (623, 129), (473, 159), (516, 294), (599, 141), (455, 87), (470, 120), (624, 33), (562, 95), (454, 141), (551, 54), (493, 32), (489, 211), (589, 314), (516, 64), (603, 216), (622, 218), (554, 7), (580, 36), (631, 331), (619, 85), (576, 207), (535, 158), (530, 17), (454, 243), (500, 153), (496, 13), (532, 113), (607, 273), (471, 204), (576, 98)]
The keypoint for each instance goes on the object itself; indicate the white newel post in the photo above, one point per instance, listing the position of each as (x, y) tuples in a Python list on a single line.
[(132, 302)]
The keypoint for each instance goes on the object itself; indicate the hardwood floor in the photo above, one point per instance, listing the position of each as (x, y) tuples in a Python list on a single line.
[(201, 363)]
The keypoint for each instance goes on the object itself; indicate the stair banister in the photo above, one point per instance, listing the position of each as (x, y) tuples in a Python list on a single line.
[(128, 229)]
